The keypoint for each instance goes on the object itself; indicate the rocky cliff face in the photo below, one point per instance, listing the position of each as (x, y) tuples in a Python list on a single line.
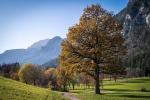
[(136, 29)]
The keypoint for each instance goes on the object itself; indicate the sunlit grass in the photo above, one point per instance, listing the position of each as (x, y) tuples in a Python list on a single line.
[(13, 90), (124, 89)]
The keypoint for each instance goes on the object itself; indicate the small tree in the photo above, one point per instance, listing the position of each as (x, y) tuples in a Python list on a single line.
[(86, 79), (51, 75), (29, 73), (115, 71), (63, 78)]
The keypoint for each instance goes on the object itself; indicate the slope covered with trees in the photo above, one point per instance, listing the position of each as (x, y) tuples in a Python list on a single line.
[(136, 29)]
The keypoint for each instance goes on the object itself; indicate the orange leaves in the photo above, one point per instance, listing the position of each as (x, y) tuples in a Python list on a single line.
[(95, 41)]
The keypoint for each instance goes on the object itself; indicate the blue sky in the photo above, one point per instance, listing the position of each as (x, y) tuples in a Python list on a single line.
[(23, 22)]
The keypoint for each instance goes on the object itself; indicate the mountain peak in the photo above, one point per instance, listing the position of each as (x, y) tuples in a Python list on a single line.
[(38, 53), (44, 42), (39, 44), (57, 38)]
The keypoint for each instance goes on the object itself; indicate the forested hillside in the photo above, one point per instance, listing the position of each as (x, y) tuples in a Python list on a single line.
[(136, 29)]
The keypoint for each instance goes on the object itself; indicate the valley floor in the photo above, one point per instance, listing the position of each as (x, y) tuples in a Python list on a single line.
[(124, 89)]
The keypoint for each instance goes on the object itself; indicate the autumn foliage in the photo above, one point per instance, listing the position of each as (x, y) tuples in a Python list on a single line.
[(92, 44)]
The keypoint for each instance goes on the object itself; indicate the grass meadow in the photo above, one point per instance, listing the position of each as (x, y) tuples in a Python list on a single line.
[(13, 90), (124, 89)]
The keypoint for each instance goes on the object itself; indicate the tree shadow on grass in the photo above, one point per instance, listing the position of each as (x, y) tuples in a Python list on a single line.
[(135, 96), (113, 84), (139, 81), (127, 95), (115, 90)]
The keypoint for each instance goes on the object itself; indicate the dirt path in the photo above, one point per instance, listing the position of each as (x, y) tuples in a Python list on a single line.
[(70, 96)]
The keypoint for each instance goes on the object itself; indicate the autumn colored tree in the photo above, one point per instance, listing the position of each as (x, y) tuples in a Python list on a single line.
[(29, 73), (115, 71), (86, 79), (96, 41), (63, 78), (51, 76)]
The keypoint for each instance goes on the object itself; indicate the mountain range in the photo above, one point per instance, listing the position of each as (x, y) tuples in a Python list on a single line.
[(135, 18), (40, 53)]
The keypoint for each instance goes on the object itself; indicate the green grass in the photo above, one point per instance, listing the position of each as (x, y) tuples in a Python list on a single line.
[(121, 90), (13, 90)]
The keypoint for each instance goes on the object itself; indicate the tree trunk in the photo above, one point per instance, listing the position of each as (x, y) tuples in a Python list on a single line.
[(69, 85), (97, 85), (26, 82), (110, 77), (73, 85), (115, 77), (34, 82), (65, 88)]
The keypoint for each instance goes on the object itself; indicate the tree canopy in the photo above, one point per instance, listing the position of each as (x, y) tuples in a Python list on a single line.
[(95, 42), (29, 73)]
